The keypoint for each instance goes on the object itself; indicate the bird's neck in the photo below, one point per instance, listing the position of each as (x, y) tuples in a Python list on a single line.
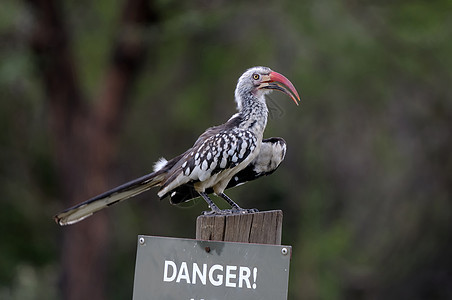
[(253, 115)]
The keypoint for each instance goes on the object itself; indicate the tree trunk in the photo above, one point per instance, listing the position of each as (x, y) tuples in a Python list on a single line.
[(85, 138)]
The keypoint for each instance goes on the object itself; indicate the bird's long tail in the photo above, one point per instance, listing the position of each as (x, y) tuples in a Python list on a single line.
[(85, 209)]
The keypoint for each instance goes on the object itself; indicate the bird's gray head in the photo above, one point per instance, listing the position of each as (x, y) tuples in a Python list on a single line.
[(256, 82)]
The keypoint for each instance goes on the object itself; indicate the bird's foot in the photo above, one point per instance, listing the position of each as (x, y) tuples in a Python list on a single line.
[(214, 210), (240, 211), (231, 211), (219, 212)]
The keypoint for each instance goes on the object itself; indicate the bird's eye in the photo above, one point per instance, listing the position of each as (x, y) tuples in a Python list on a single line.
[(256, 76)]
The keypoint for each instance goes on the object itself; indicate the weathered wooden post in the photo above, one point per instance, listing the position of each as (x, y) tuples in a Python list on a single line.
[(260, 228)]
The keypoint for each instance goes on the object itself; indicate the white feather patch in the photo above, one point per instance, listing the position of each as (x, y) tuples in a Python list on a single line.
[(160, 164)]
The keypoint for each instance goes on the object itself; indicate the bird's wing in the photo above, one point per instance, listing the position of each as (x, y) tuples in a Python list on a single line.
[(213, 152), (271, 155)]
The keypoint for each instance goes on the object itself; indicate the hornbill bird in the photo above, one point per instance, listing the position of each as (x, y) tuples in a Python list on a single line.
[(222, 157)]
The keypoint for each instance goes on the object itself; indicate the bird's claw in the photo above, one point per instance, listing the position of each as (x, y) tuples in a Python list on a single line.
[(210, 212), (244, 210), (220, 212), (231, 211)]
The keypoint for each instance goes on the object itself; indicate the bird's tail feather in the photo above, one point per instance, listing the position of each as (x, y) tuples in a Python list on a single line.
[(85, 209)]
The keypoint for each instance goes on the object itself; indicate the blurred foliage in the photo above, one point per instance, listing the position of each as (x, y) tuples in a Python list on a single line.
[(366, 185)]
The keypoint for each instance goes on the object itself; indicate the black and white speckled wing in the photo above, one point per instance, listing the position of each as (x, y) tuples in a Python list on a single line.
[(215, 151), (272, 153)]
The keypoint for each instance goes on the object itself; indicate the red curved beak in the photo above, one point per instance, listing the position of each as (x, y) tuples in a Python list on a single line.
[(281, 83)]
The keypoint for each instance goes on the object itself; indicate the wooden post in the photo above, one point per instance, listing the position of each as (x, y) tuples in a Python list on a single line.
[(260, 228)]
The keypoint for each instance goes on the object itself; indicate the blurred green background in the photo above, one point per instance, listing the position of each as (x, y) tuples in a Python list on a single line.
[(366, 186)]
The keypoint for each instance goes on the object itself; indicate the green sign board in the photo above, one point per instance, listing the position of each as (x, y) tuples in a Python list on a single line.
[(184, 269)]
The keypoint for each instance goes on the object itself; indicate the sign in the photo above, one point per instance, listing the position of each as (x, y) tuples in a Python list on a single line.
[(184, 269)]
